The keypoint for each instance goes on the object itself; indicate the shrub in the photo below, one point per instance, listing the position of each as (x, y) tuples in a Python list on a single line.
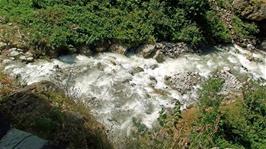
[(244, 29), (51, 25), (216, 29)]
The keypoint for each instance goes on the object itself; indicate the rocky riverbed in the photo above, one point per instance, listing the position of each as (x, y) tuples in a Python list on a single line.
[(121, 88)]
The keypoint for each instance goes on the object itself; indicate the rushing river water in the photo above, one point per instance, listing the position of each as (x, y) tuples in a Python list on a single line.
[(119, 88)]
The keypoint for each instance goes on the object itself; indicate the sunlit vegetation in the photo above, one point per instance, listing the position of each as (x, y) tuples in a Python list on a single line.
[(62, 24), (214, 122)]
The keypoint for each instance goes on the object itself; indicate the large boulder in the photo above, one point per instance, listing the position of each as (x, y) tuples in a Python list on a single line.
[(251, 10), (183, 82), (147, 51), (117, 48), (43, 109), (159, 56)]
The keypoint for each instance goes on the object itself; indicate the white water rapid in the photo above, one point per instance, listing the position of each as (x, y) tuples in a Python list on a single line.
[(119, 88)]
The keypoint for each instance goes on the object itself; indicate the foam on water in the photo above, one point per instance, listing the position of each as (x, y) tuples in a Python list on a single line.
[(116, 95)]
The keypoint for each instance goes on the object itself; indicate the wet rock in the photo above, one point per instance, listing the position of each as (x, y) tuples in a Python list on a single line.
[(147, 51), (13, 52), (153, 81), (263, 45), (183, 82), (29, 59), (136, 70), (159, 57), (173, 50), (116, 48), (23, 58), (251, 47), (154, 66), (6, 61)]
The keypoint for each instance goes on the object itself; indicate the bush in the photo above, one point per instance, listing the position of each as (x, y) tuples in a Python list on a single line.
[(52, 25), (244, 29), (240, 124), (216, 29)]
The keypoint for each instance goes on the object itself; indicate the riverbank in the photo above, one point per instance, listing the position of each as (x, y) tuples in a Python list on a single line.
[(128, 92), (44, 110), (86, 27)]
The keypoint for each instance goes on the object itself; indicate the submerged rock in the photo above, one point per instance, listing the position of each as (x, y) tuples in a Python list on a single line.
[(136, 70)]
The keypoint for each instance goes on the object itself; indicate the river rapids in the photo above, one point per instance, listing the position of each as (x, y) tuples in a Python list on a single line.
[(120, 88)]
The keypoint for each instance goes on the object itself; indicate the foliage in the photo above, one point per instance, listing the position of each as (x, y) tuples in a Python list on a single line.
[(214, 122), (60, 24), (237, 125), (244, 29), (217, 29)]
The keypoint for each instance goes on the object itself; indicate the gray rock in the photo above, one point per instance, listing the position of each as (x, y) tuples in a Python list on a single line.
[(29, 59), (263, 45), (136, 70), (159, 57), (154, 66), (251, 47), (173, 50), (28, 54), (231, 84), (183, 82), (120, 49), (147, 51), (23, 58), (14, 52), (16, 139), (6, 61)]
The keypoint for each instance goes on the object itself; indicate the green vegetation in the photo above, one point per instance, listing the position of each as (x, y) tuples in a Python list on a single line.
[(240, 124), (214, 122), (244, 29), (61, 24)]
